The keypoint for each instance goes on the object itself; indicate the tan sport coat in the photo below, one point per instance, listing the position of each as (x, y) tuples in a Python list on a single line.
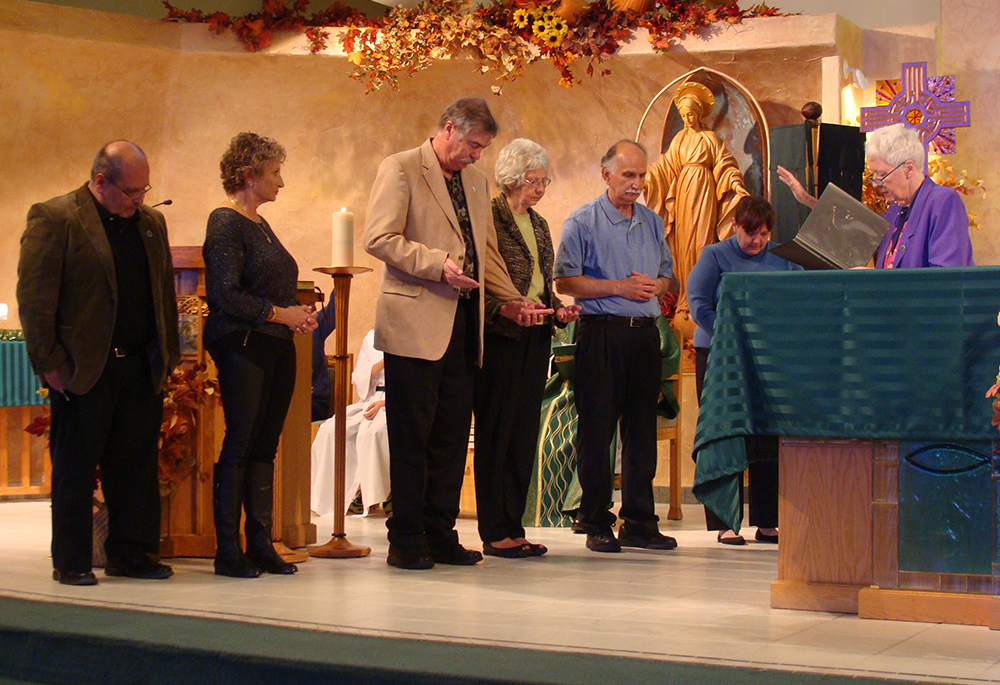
[(411, 226), (67, 294)]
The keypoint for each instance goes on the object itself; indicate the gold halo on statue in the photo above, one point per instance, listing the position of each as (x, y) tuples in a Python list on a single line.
[(697, 91)]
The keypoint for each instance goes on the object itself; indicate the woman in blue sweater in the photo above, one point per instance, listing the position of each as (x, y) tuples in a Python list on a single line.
[(747, 250)]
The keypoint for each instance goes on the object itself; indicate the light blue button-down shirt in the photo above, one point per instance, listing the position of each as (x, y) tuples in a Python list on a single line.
[(598, 241)]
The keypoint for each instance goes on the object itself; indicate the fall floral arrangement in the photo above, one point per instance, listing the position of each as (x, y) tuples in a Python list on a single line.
[(504, 36), (187, 388), (941, 172)]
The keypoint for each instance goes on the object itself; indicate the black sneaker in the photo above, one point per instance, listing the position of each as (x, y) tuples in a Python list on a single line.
[(603, 542), (644, 538)]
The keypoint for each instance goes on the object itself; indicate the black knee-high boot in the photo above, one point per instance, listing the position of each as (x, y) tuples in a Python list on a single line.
[(260, 497), (227, 501)]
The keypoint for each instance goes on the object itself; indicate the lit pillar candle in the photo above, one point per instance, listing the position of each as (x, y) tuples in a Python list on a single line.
[(343, 238)]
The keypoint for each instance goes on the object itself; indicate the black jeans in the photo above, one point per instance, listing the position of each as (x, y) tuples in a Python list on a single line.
[(115, 425), (617, 381), (762, 454), (508, 401), (256, 380)]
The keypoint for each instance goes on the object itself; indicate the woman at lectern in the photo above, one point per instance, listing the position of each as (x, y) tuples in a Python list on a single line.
[(747, 250), (928, 225), (250, 283)]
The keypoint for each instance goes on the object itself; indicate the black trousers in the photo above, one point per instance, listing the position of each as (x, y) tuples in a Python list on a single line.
[(508, 400), (617, 380), (428, 411), (762, 453), (114, 426), (256, 381)]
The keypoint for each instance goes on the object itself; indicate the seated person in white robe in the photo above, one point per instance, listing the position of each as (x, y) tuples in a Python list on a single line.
[(367, 453)]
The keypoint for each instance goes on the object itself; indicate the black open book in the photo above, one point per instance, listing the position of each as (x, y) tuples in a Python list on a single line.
[(840, 233)]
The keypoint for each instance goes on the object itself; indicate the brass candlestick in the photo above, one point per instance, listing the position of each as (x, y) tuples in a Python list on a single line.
[(339, 547)]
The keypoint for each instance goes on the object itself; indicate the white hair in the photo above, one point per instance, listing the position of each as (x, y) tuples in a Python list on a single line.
[(517, 158), (896, 144)]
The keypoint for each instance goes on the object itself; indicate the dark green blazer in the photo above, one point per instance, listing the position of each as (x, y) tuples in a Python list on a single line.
[(67, 294)]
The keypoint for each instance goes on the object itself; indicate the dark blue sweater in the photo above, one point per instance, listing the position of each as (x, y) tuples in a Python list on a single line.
[(706, 276)]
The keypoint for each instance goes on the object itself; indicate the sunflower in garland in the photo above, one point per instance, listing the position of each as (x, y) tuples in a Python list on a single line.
[(552, 40), (521, 18), (558, 26)]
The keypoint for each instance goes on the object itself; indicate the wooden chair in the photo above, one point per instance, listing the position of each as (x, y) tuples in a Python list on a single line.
[(672, 433)]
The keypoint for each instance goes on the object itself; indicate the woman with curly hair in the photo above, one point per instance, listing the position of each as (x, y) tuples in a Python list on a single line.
[(250, 282)]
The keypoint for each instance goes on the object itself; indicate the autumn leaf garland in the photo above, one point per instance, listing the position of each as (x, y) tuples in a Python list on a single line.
[(503, 37)]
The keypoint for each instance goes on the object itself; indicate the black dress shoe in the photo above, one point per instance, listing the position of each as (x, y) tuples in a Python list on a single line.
[(515, 552), (604, 541), (577, 527), (644, 538), (456, 556), (144, 570), (408, 560), (764, 537), (74, 578)]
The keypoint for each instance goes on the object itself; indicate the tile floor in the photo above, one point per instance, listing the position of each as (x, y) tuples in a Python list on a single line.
[(702, 602)]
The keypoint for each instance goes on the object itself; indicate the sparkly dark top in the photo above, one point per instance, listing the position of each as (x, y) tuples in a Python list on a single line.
[(246, 271)]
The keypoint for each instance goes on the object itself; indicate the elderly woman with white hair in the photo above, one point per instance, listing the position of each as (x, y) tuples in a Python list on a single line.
[(509, 387), (928, 222)]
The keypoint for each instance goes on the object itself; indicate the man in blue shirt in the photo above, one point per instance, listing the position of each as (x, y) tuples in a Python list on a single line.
[(614, 260)]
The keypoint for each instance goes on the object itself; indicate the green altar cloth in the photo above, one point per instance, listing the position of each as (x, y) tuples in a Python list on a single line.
[(876, 354), (18, 383)]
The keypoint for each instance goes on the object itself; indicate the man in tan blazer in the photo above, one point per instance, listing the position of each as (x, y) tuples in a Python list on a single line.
[(429, 219), (95, 294)]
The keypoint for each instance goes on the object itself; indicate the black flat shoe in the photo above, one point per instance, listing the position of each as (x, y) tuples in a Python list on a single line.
[(764, 537), (537, 549), (515, 552), (408, 560), (73, 578), (736, 540)]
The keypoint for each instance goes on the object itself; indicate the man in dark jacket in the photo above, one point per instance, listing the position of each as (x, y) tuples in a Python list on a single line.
[(96, 300)]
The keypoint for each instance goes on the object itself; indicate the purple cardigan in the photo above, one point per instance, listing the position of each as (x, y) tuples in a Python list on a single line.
[(936, 233)]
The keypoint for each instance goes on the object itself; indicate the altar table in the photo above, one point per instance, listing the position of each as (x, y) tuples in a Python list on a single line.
[(24, 463), (890, 369)]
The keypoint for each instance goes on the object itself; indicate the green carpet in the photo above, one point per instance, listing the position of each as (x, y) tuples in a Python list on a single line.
[(45, 642)]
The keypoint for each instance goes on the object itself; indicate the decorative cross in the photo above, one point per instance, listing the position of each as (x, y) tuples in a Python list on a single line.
[(918, 107)]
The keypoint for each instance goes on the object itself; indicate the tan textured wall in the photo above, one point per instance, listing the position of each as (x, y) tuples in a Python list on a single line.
[(971, 52)]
